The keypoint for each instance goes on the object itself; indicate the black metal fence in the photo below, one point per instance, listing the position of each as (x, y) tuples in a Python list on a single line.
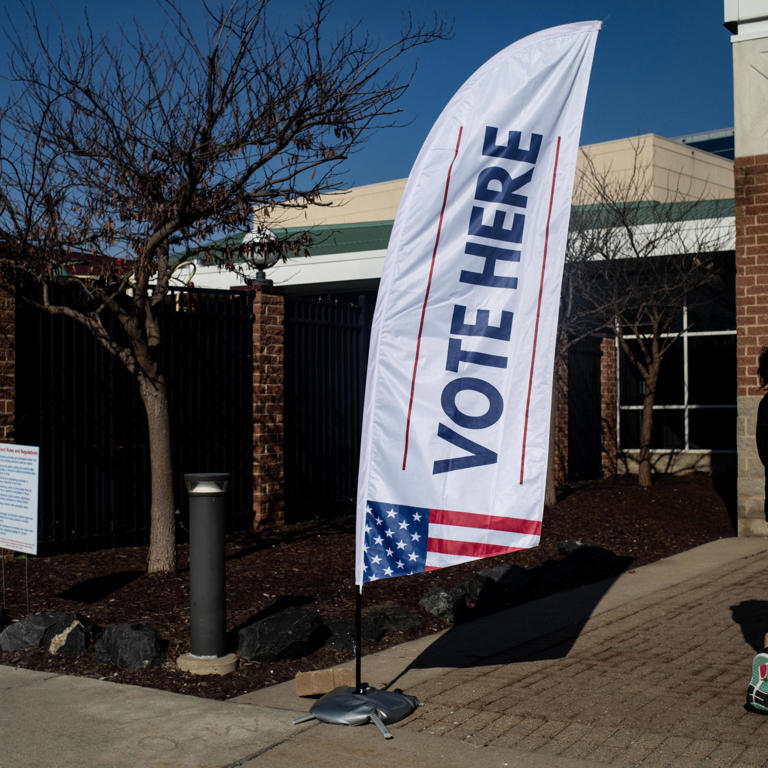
[(82, 408), (584, 411), (326, 352)]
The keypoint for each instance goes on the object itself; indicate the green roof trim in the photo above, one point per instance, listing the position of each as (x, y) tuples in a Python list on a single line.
[(329, 239), (652, 211), (342, 238)]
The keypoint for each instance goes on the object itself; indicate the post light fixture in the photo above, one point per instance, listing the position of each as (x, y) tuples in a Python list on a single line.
[(207, 587), (207, 484)]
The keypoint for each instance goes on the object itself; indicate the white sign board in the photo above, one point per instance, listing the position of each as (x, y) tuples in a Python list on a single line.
[(19, 475)]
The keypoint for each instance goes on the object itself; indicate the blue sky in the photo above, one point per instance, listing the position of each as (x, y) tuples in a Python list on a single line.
[(661, 66)]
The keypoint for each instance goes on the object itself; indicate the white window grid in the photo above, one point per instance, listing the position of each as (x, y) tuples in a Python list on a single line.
[(685, 406)]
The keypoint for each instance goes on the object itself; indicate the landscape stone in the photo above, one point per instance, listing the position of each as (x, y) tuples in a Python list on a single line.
[(594, 561), (474, 596), (73, 640), (557, 575), (443, 603), (512, 580), (395, 617), (480, 594), (36, 630), (130, 646), (288, 634), (26, 633), (573, 545), (342, 633)]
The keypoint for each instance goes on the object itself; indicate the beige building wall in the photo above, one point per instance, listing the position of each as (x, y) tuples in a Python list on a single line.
[(651, 167), (667, 171), (372, 202)]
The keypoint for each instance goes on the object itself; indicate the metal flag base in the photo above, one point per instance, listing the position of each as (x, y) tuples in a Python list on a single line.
[(347, 706), (362, 704)]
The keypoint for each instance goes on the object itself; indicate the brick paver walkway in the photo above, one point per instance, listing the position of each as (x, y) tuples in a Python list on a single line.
[(658, 681)]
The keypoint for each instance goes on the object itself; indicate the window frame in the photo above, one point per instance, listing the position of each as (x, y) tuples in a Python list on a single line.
[(685, 406)]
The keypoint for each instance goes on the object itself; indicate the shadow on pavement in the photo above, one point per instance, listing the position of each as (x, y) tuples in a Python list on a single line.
[(752, 617), (535, 631)]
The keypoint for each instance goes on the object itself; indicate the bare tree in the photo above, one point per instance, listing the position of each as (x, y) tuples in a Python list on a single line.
[(118, 151), (631, 263)]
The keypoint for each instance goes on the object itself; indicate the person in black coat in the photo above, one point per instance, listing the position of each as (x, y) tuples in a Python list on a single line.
[(762, 421)]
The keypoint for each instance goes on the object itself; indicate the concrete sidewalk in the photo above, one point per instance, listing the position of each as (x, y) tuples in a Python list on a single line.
[(650, 669)]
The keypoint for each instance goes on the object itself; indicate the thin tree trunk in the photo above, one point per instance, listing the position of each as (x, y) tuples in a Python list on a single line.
[(162, 538), (550, 494), (646, 427)]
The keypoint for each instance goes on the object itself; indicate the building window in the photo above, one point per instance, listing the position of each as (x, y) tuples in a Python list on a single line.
[(695, 405)]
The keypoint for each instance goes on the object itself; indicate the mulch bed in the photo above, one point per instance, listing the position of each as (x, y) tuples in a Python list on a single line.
[(312, 564)]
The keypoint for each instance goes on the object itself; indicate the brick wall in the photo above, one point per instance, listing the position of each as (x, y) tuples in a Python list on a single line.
[(268, 369), (7, 368), (608, 404), (751, 198), (751, 211)]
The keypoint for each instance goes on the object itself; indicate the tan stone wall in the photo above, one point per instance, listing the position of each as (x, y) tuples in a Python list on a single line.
[(751, 519), (751, 199), (268, 430), (7, 368), (670, 171)]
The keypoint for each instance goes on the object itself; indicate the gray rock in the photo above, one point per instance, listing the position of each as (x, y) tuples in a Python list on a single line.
[(38, 629), (342, 633), (557, 576), (289, 634), (73, 640), (25, 633), (474, 596), (593, 560), (480, 593), (130, 646), (444, 603), (512, 580), (573, 545), (395, 617)]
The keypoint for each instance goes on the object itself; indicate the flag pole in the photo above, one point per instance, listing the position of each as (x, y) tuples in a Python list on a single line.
[(358, 638)]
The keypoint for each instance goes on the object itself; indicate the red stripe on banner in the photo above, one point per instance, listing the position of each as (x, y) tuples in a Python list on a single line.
[(538, 312), (426, 295), (468, 548), (486, 522)]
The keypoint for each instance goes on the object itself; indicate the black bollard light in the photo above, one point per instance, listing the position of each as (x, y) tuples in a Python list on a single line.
[(207, 588)]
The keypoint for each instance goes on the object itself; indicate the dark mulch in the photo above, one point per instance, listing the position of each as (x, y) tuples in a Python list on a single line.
[(312, 564)]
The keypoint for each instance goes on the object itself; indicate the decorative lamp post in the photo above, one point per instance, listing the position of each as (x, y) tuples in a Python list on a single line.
[(259, 257)]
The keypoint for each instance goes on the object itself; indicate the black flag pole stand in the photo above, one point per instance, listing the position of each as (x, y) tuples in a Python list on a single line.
[(359, 639), (362, 704)]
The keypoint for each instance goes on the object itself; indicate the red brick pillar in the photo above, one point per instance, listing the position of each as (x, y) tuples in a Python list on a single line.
[(268, 367), (608, 405), (751, 212), (7, 368)]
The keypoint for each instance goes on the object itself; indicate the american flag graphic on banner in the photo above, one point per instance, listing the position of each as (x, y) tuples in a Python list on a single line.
[(401, 540)]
